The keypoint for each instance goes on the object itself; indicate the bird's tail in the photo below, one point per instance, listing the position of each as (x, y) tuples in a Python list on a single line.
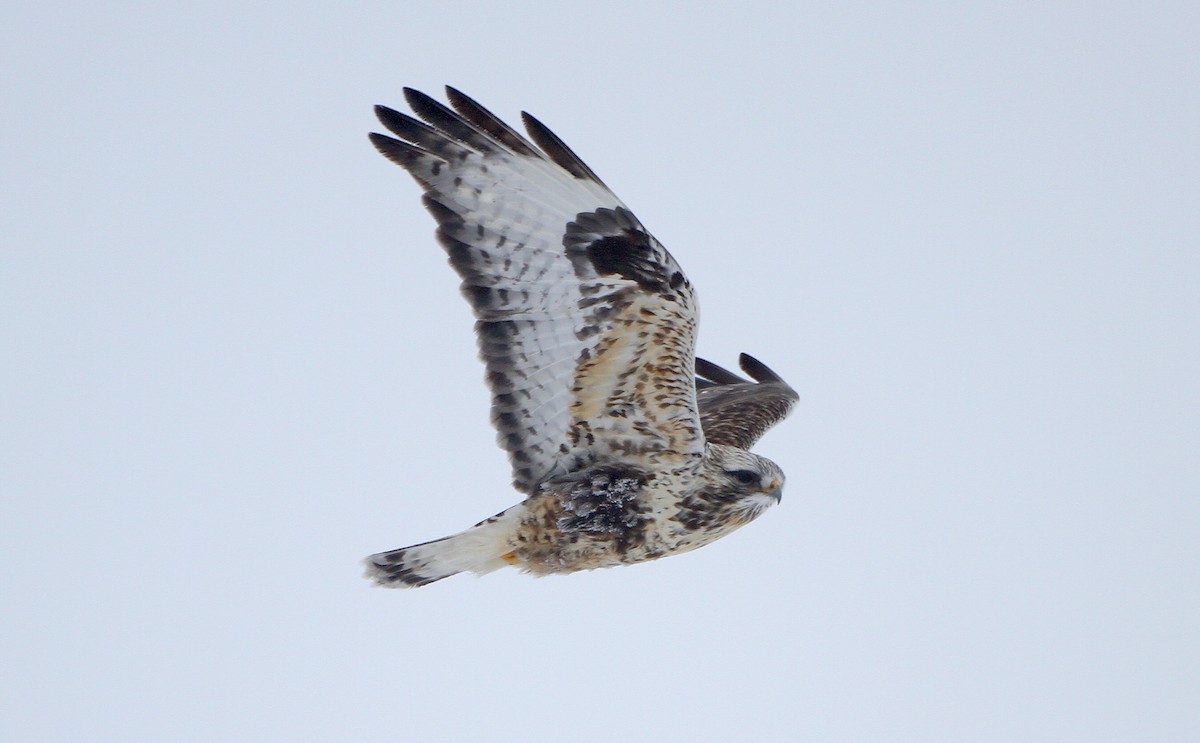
[(480, 549)]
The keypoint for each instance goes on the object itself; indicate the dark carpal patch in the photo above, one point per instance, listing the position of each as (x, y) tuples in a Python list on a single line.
[(612, 242)]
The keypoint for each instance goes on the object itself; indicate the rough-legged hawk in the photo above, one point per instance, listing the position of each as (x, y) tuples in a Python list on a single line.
[(587, 327)]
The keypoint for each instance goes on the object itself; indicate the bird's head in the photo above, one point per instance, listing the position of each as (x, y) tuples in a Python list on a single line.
[(742, 483)]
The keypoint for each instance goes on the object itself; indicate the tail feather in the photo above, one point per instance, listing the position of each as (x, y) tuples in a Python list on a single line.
[(480, 549)]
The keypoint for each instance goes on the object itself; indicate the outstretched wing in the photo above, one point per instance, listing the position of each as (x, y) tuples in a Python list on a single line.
[(735, 411), (585, 322)]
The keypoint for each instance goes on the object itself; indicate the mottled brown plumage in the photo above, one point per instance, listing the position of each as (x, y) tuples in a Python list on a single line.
[(587, 326), (736, 411)]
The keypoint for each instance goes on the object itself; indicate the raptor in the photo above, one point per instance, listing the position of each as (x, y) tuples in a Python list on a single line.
[(626, 447)]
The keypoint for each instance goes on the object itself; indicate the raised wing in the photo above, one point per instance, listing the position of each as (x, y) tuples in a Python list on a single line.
[(735, 411), (585, 322)]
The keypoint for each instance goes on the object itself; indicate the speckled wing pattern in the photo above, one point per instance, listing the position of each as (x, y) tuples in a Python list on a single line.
[(735, 411), (586, 324)]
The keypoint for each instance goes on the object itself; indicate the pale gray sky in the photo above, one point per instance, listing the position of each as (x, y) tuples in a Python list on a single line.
[(236, 363)]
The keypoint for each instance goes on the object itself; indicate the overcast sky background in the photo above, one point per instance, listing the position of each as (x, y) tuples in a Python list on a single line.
[(236, 362)]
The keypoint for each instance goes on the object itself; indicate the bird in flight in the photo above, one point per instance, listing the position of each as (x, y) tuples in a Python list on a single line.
[(626, 447)]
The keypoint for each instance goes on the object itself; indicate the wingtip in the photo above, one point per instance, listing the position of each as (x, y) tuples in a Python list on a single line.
[(557, 150), (392, 120), (426, 106), (717, 374), (392, 149), (416, 98), (757, 370), (531, 123)]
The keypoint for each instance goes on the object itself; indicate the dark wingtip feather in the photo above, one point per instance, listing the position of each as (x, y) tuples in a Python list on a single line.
[(489, 122), (717, 374), (438, 144), (447, 120), (401, 153), (407, 128), (558, 150), (427, 107), (416, 99), (400, 124), (757, 370)]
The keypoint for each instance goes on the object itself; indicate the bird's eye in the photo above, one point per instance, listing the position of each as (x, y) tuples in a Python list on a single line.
[(745, 477)]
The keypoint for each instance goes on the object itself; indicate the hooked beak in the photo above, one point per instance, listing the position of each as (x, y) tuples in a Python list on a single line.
[(776, 491)]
